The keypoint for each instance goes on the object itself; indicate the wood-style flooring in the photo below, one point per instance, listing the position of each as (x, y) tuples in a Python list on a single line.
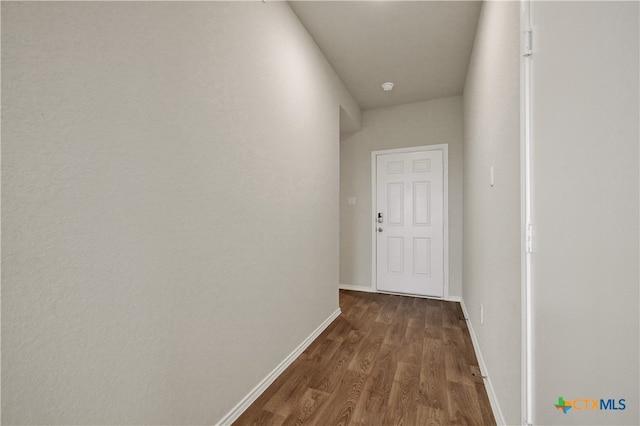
[(387, 360)]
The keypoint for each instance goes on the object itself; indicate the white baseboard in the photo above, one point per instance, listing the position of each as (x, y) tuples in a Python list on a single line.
[(236, 411), (373, 290), (493, 400), (357, 288)]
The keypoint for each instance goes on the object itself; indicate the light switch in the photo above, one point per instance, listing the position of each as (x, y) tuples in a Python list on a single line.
[(352, 201)]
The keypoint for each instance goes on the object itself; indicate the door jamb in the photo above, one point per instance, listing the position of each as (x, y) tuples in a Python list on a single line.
[(526, 249), (445, 204)]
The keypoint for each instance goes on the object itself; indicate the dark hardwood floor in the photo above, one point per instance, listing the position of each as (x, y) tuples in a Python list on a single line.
[(387, 360)]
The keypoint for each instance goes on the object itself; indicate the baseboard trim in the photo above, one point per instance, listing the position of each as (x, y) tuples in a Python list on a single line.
[(236, 411), (373, 290), (357, 288), (493, 400)]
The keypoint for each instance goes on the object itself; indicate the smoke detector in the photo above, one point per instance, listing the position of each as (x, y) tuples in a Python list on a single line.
[(387, 87)]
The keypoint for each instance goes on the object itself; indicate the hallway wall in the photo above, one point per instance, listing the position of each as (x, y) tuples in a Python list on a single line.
[(169, 206), (586, 172), (492, 213)]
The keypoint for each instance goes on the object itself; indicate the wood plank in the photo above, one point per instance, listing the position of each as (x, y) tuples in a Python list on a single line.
[(388, 310), (368, 409), (340, 330), (433, 380), (296, 380), (354, 314), (327, 378), (399, 325), (310, 403), (457, 358), (374, 402), (428, 416), (404, 396), (363, 359), (451, 316), (433, 327), (405, 305), (260, 418), (341, 404), (463, 405), (419, 309), (468, 343), (484, 404), (412, 344), (367, 320)]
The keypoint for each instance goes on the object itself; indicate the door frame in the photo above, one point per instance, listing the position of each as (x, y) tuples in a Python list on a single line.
[(445, 206), (526, 219)]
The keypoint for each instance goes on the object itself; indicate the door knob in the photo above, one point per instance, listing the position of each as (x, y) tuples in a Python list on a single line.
[(379, 229)]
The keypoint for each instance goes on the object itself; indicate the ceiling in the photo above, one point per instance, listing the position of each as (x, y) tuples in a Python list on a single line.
[(423, 47)]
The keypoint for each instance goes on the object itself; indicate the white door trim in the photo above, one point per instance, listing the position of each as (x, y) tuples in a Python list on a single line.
[(374, 206), (526, 226)]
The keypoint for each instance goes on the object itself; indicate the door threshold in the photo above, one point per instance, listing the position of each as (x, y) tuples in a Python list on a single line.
[(421, 296)]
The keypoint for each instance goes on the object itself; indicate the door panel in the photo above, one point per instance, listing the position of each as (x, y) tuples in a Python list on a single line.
[(395, 255), (395, 203), (422, 256), (421, 204), (410, 238)]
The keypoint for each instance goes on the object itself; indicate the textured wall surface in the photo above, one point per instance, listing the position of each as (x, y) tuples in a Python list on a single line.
[(422, 123), (586, 108), (169, 206), (492, 214)]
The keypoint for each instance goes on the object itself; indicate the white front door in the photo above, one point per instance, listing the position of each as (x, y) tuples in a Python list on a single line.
[(410, 223)]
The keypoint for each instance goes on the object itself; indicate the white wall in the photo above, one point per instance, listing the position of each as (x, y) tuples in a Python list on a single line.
[(585, 135), (169, 174), (492, 214), (423, 123)]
